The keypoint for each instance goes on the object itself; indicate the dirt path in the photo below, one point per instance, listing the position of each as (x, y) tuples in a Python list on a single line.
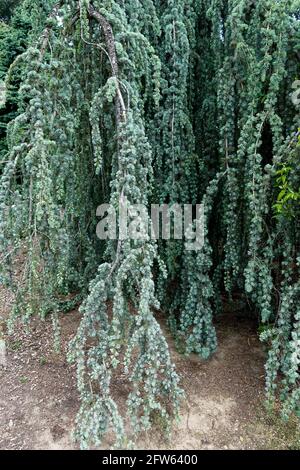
[(39, 400)]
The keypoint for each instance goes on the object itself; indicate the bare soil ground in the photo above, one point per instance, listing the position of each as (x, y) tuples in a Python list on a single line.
[(223, 410)]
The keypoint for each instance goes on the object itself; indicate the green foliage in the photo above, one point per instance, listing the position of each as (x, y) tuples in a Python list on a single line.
[(156, 102), (7, 8), (16, 33), (288, 182), (13, 42)]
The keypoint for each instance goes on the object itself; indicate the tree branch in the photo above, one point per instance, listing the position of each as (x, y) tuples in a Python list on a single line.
[(46, 33), (121, 112), (111, 50)]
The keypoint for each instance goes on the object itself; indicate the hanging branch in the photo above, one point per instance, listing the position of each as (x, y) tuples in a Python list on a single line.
[(121, 112), (44, 39)]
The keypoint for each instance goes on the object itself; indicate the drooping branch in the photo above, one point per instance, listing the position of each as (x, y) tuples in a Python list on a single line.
[(121, 112), (111, 50), (44, 39)]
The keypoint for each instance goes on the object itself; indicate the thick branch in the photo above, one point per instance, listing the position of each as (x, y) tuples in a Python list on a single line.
[(46, 33), (111, 50), (121, 112), (109, 39)]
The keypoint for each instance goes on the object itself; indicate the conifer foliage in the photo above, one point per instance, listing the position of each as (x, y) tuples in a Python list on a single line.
[(150, 101)]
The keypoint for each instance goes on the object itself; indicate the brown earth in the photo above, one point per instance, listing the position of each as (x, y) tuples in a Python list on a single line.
[(223, 410)]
